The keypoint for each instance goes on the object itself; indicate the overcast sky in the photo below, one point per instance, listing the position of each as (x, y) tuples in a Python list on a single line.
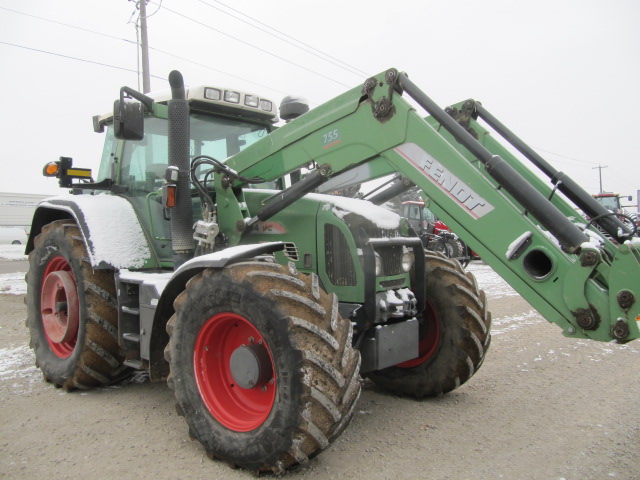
[(562, 74)]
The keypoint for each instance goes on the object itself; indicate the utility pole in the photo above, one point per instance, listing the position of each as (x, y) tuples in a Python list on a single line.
[(600, 167), (144, 47)]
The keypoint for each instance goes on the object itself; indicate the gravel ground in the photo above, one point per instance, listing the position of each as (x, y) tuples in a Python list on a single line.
[(542, 407)]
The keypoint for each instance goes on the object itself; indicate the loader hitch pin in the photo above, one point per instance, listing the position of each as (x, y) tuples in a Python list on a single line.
[(621, 330)]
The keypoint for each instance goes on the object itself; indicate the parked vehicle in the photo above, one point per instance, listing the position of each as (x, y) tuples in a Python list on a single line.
[(13, 235)]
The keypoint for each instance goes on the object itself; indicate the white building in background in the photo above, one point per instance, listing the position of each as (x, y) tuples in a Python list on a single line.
[(16, 209), (16, 212)]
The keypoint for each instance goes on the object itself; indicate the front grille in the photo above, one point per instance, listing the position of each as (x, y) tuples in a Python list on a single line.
[(339, 262), (391, 260)]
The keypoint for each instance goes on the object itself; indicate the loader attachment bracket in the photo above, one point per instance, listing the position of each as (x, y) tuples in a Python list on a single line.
[(382, 106), (464, 115)]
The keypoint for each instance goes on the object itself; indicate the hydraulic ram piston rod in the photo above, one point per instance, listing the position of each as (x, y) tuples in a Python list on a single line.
[(279, 202), (568, 234), (610, 223)]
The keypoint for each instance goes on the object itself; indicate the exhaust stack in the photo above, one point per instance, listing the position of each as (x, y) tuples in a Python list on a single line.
[(182, 241)]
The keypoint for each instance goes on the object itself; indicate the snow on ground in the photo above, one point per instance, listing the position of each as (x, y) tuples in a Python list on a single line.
[(489, 281), (18, 370), (507, 324), (12, 252), (13, 283)]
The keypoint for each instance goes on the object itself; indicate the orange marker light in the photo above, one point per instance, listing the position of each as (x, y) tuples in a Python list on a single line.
[(170, 199), (51, 169)]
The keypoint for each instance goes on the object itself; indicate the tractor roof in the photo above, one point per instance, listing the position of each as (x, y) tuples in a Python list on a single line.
[(217, 99)]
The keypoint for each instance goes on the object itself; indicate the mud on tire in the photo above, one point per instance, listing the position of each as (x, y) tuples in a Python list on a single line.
[(455, 333), (80, 352), (309, 396)]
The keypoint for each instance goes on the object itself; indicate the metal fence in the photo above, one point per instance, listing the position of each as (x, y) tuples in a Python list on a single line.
[(13, 261)]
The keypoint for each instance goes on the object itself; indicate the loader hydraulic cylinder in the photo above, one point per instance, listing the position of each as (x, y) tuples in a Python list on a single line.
[(569, 235), (399, 186), (295, 192), (610, 223)]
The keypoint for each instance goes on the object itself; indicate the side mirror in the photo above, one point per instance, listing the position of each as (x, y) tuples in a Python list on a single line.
[(128, 120), (128, 115)]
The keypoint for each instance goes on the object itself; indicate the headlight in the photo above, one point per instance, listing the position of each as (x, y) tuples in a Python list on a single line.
[(407, 261), (251, 101), (231, 97), (266, 105), (212, 94), (378, 265)]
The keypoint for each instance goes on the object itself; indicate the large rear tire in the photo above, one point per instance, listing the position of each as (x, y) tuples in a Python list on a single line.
[(455, 248), (455, 333), (262, 365), (72, 313)]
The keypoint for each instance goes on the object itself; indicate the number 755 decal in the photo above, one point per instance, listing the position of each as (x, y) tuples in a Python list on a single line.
[(331, 138)]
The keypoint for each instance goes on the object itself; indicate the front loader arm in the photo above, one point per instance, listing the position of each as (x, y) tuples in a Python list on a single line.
[(589, 290)]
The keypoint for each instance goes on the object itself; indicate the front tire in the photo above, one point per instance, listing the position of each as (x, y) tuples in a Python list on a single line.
[(455, 333), (262, 365), (72, 314)]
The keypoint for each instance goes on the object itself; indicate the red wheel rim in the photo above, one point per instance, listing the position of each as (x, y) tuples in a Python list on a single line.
[(429, 341), (59, 307), (239, 409)]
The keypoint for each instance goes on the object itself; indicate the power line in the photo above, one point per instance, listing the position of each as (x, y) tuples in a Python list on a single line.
[(216, 70), (579, 162), (256, 47), (295, 42), (135, 71), (68, 25), (74, 58), (132, 42)]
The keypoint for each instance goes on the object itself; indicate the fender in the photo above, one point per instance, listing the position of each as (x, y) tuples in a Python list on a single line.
[(158, 367), (97, 217)]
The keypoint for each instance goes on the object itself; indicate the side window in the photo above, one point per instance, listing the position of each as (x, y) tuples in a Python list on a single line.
[(414, 212), (428, 215), (109, 149), (144, 161)]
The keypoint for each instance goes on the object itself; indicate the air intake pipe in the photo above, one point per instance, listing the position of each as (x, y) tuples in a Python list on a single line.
[(182, 241)]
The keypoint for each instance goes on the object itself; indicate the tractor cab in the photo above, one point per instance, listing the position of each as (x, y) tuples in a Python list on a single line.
[(134, 161)]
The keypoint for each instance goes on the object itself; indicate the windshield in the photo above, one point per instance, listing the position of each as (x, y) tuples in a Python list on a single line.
[(144, 162), (429, 216), (610, 203)]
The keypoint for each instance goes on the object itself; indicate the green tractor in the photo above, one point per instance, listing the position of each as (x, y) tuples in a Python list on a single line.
[(202, 255)]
